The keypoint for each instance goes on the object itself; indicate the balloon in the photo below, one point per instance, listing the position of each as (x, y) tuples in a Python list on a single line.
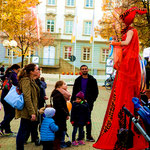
[(110, 39), (69, 105)]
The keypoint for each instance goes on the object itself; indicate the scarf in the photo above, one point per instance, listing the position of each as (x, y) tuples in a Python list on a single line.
[(65, 93)]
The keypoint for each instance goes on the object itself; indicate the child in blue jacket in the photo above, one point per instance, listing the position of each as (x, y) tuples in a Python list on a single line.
[(48, 129)]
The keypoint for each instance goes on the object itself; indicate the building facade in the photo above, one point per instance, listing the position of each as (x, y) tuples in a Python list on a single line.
[(63, 18)]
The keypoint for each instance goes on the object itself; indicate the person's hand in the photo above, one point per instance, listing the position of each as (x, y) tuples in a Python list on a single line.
[(45, 97), (67, 117), (115, 43), (41, 111), (33, 117), (88, 122), (72, 122)]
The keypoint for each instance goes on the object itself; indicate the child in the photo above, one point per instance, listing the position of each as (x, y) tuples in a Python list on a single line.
[(79, 118), (48, 129), (66, 94), (60, 95)]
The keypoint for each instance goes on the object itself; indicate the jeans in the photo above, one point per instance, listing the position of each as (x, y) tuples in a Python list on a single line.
[(24, 128), (63, 137), (9, 114), (33, 131), (89, 127), (75, 128)]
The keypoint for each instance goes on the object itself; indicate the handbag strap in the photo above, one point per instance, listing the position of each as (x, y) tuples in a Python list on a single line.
[(51, 101)]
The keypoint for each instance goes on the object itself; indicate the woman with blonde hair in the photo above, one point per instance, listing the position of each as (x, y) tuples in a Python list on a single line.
[(29, 113), (60, 95)]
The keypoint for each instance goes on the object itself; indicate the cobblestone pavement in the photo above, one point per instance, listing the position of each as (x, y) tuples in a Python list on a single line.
[(8, 143)]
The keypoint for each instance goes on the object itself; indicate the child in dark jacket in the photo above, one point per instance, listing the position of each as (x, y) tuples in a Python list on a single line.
[(79, 118), (48, 129)]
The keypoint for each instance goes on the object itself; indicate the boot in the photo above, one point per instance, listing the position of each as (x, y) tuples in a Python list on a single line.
[(56, 144)]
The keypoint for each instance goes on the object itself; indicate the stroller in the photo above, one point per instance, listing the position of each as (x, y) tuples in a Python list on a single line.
[(144, 113)]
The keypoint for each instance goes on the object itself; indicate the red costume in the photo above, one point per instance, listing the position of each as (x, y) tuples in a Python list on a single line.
[(125, 87)]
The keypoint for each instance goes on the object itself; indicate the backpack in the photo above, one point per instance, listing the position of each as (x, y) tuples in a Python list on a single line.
[(7, 83)]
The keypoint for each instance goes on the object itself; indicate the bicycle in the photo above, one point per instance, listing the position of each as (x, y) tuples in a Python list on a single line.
[(109, 82)]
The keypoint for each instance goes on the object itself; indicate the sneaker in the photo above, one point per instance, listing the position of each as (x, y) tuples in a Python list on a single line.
[(37, 142), (63, 145), (90, 139), (81, 142), (12, 134), (74, 143), (1, 133)]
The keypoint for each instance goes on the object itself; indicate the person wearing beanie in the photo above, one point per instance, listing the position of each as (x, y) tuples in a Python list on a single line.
[(48, 129), (79, 118), (126, 86)]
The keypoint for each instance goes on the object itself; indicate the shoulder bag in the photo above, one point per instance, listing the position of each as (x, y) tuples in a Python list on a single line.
[(15, 98)]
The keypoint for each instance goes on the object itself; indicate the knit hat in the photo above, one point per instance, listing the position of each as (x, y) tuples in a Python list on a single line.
[(49, 112), (80, 95), (128, 15)]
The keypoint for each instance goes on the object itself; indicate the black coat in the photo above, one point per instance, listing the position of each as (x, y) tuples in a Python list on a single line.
[(59, 103), (91, 90), (80, 114), (41, 99)]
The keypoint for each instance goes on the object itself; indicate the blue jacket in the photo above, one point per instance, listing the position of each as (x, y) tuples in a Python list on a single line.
[(48, 129)]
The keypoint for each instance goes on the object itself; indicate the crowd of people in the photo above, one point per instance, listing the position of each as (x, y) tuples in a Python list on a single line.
[(49, 120)]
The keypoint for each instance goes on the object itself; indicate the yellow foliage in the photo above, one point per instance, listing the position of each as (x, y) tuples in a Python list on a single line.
[(18, 22), (110, 24)]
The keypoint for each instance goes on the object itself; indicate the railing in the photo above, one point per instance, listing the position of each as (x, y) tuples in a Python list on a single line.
[(49, 62), (69, 79)]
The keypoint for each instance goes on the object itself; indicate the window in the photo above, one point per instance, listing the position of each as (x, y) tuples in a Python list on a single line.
[(86, 54), (67, 52), (8, 53), (87, 27), (51, 2), (70, 2), (89, 3), (68, 27), (105, 54), (50, 25)]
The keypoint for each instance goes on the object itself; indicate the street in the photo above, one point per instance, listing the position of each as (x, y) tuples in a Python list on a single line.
[(8, 143)]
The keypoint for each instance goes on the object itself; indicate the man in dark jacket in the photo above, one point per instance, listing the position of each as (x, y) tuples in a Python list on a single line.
[(2, 69), (88, 85)]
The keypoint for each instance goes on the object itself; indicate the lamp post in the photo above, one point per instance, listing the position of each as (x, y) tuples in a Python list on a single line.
[(10, 44)]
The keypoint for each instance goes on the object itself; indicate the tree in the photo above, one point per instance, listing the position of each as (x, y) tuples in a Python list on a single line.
[(111, 26), (19, 22)]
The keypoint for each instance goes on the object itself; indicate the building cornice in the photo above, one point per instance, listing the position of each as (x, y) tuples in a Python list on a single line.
[(51, 14), (69, 15)]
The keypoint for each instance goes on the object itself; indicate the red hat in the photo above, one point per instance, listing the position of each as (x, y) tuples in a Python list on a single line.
[(128, 15), (80, 95)]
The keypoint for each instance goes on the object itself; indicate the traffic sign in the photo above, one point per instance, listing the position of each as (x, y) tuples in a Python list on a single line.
[(72, 58)]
